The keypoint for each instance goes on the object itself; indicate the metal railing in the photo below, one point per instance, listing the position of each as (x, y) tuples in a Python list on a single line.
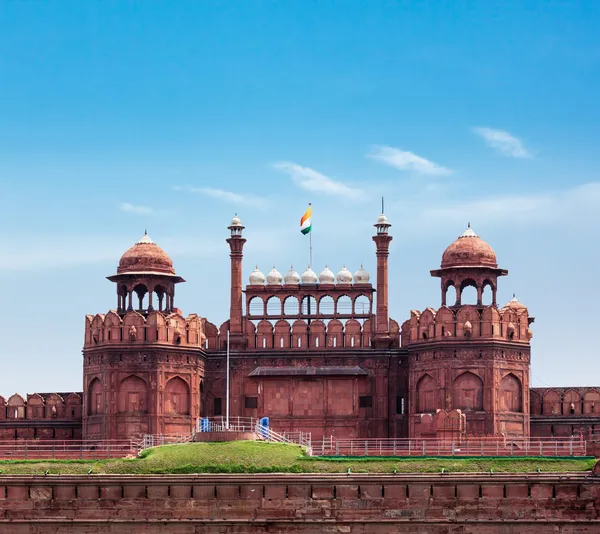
[(468, 447), (66, 449), (220, 424), (157, 440)]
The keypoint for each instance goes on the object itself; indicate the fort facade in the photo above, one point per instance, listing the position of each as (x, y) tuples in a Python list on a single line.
[(313, 352)]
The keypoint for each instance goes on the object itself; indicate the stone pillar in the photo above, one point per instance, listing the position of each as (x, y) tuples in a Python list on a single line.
[(382, 324), (236, 245)]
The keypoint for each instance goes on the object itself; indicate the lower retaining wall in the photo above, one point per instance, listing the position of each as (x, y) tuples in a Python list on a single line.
[(440, 504)]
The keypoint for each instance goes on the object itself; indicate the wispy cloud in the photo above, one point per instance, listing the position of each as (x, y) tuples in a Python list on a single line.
[(503, 142), (315, 182), (136, 210), (226, 196), (35, 252), (407, 161), (577, 205)]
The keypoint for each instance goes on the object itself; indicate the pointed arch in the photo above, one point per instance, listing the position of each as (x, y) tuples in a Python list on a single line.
[(468, 392), (95, 397), (426, 394), (133, 395), (511, 394), (177, 397)]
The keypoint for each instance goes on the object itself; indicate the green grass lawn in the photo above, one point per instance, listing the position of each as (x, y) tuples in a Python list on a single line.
[(261, 457)]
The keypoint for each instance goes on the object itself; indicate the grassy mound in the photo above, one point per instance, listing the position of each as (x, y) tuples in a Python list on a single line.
[(261, 457)]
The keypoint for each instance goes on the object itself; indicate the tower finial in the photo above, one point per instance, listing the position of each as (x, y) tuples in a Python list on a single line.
[(145, 231), (382, 210), (469, 224)]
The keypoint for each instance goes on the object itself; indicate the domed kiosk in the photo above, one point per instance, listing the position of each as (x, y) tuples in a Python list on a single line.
[(145, 270), (469, 261)]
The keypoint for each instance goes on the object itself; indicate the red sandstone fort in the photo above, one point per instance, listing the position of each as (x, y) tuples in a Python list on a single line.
[(317, 353)]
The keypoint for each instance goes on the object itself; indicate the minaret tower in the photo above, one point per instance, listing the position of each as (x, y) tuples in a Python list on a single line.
[(382, 240), (236, 245)]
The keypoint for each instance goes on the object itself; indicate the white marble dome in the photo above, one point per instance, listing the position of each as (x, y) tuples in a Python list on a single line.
[(344, 276), (274, 278), (236, 221), (256, 278), (291, 277), (361, 276), (309, 276), (327, 276), (382, 219)]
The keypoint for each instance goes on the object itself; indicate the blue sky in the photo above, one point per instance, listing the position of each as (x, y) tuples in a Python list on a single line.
[(118, 116)]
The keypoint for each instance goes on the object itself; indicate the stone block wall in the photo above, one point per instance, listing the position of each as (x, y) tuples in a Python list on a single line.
[(535, 503)]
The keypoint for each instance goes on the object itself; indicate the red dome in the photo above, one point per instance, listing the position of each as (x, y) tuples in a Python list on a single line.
[(469, 250), (145, 257)]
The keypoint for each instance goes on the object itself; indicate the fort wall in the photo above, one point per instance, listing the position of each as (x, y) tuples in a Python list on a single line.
[(539, 503)]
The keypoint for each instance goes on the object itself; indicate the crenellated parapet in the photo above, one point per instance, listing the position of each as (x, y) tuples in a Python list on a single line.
[(568, 401), (134, 328), (42, 406), (301, 334), (465, 323)]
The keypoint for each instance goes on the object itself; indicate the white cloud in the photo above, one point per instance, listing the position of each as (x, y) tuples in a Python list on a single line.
[(226, 196), (315, 182), (576, 205), (503, 142), (407, 161), (136, 210)]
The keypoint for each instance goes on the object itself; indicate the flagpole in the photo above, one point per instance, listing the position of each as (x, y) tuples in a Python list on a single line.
[(310, 239)]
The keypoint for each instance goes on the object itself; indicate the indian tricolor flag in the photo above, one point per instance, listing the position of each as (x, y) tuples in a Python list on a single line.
[(306, 221)]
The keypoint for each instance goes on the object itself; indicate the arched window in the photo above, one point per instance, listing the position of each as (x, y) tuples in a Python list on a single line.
[(449, 294), (274, 306), (256, 306), (344, 305), (487, 295), (362, 305), (290, 306), (326, 305), (468, 292)]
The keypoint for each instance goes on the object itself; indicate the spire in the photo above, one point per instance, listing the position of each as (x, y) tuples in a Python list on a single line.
[(469, 232), (145, 239)]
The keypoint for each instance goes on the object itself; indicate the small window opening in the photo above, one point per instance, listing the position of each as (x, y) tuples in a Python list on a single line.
[(365, 402)]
